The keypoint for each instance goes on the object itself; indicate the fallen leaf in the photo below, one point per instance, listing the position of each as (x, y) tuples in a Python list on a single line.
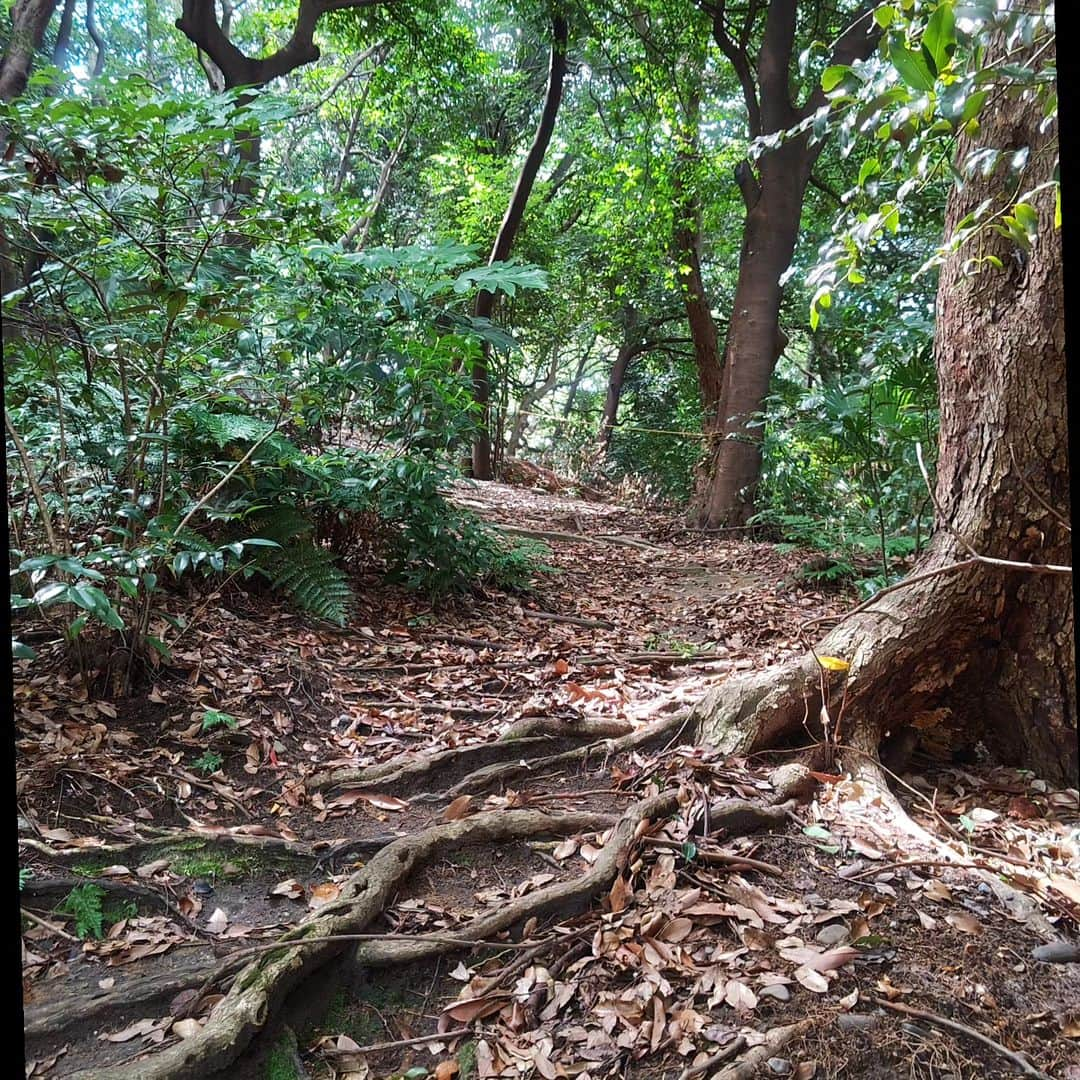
[(132, 1031), (217, 922), (291, 888), (561, 666), (619, 894), (833, 663), (739, 996), (967, 924), (677, 930), (323, 894), (811, 979), (458, 808)]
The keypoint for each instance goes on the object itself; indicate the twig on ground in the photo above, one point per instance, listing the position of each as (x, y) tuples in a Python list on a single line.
[(1018, 1060)]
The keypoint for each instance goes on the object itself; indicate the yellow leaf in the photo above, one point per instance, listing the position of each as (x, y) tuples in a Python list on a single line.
[(833, 663)]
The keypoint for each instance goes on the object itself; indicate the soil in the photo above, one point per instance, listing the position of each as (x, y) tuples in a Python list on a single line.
[(685, 953)]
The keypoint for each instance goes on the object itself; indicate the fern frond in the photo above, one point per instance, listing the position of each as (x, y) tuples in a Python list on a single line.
[(310, 577)]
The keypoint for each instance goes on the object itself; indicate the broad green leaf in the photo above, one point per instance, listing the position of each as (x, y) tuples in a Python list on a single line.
[(19, 651), (939, 38), (911, 67), (833, 76), (884, 15)]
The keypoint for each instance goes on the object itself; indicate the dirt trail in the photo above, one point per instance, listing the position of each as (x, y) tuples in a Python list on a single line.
[(612, 952)]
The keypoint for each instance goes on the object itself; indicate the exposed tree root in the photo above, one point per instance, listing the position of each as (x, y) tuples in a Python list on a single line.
[(403, 773), (904, 666), (260, 988), (566, 897), (775, 1040), (482, 779), (179, 841), (54, 1016), (504, 759)]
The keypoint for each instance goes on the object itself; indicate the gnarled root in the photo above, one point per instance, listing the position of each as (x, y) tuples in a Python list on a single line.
[(260, 988)]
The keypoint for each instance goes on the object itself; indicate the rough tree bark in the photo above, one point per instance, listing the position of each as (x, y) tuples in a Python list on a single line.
[(482, 464), (981, 652), (773, 199), (29, 20)]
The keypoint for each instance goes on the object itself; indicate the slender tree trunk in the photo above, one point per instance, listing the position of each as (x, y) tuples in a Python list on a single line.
[(356, 237), (504, 241), (980, 653), (773, 199), (754, 341), (687, 244), (63, 35), (530, 398), (616, 379)]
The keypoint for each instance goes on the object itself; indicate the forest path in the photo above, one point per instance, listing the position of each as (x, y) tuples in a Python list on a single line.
[(637, 619)]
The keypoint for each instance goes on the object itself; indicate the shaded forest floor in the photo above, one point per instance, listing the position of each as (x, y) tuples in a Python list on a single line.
[(741, 931)]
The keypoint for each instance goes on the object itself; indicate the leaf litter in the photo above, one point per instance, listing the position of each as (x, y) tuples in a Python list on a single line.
[(687, 956)]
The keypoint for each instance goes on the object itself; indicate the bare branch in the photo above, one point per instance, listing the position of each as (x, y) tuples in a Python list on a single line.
[(199, 23)]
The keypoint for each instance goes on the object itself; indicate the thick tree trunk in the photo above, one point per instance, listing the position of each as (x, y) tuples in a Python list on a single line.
[(981, 653), (482, 464), (29, 19), (754, 342)]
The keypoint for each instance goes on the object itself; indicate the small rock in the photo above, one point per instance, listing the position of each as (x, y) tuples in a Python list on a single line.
[(833, 934), (792, 781), (202, 888), (779, 1066), (777, 991), (857, 1021), (1057, 952)]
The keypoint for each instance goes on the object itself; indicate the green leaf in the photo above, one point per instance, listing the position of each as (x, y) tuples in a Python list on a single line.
[(884, 14), (1028, 219), (870, 167), (19, 651), (911, 67), (833, 76), (51, 593), (939, 38)]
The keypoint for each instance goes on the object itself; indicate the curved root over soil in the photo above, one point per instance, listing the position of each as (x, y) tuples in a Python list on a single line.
[(507, 758), (261, 987)]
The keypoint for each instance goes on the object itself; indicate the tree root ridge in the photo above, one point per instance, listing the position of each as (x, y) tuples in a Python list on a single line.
[(262, 985), (484, 778), (505, 759)]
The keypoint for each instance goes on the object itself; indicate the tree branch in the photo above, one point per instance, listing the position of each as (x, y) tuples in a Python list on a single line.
[(857, 42), (739, 59), (199, 23)]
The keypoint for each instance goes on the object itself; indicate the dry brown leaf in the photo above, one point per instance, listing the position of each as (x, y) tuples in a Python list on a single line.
[(565, 848), (474, 1009), (561, 666), (323, 893), (811, 979), (458, 808), (739, 996), (446, 1069), (217, 922), (620, 893), (677, 930), (132, 1031), (967, 924)]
